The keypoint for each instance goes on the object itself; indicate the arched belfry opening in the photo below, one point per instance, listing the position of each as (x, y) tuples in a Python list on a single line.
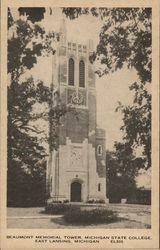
[(76, 191), (81, 74), (71, 72)]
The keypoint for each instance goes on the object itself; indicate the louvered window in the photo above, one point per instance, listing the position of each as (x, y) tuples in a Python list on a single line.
[(71, 72), (81, 74), (99, 187), (51, 184)]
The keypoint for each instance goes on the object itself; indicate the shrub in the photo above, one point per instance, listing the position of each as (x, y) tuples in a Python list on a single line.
[(90, 201), (96, 201), (101, 201), (57, 208), (56, 202), (66, 201), (77, 216)]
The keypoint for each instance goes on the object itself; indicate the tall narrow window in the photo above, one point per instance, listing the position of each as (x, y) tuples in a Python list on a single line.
[(99, 187), (71, 72), (99, 150), (81, 74), (51, 184)]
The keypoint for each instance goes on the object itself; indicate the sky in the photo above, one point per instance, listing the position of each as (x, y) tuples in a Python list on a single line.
[(110, 89)]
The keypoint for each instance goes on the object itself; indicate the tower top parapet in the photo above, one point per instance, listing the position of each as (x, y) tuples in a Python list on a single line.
[(90, 45), (63, 32), (101, 133)]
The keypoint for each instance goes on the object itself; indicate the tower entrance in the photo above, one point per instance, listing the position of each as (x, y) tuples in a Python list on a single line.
[(76, 188)]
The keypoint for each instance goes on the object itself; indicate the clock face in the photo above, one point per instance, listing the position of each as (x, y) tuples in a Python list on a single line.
[(77, 98)]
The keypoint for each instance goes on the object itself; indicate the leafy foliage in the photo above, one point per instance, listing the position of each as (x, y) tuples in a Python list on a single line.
[(137, 123), (96, 201), (26, 42), (76, 215), (26, 154), (10, 18), (34, 14), (121, 169), (122, 35), (26, 157), (57, 208)]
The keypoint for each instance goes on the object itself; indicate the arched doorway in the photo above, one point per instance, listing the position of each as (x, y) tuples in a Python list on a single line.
[(76, 191)]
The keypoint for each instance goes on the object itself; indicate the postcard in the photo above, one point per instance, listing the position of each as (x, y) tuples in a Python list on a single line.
[(80, 124)]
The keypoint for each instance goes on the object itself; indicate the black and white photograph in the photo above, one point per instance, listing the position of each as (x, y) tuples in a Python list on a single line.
[(79, 119)]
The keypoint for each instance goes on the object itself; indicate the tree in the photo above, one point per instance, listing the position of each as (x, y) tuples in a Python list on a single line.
[(26, 42), (26, 154), (34, 14), (122, 167), (119, 183)]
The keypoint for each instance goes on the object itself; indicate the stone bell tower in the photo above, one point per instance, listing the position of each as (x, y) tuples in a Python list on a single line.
[(76, 170)]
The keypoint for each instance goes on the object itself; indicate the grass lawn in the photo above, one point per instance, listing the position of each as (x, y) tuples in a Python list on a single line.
[(58, 222), (24, 211), (131, 216)]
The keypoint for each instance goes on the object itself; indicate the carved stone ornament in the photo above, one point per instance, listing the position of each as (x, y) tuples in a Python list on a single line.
[(77, 98), (76, 157)]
